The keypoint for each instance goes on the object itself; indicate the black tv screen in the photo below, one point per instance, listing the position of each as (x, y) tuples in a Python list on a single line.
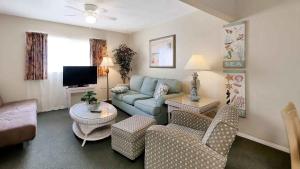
[(79, 75)]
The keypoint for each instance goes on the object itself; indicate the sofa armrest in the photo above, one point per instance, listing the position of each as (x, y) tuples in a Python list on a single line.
[(25, 101), (168, 148), (21, 105), (192, 120), (161, 100), (1, 101)]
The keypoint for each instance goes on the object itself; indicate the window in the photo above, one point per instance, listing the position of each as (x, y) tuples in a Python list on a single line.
[(67, 52)]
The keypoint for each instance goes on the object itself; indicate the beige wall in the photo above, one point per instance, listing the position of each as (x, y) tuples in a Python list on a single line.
[(245, 8), (197, 33), (225, 9), (273, 58), (12, 51)]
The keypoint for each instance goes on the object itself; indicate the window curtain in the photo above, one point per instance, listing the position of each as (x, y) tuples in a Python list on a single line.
[(49, 93), (98, 50), (36, 56)]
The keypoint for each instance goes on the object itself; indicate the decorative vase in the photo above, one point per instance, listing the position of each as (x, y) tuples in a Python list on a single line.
[(92, 107)]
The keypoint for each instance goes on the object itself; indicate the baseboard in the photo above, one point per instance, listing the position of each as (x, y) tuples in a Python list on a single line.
[(52, 109), (264, 142)]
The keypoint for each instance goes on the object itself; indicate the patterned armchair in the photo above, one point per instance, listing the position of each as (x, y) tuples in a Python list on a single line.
[(192, 141)]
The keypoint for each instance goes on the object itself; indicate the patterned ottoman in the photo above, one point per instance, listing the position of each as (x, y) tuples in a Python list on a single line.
[(128, 136)]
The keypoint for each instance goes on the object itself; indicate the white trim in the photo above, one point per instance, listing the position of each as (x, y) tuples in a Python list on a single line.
[(264, 142)]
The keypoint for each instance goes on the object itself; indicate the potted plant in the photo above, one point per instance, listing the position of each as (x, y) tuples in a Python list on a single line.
[(123, 56), (90, 99)]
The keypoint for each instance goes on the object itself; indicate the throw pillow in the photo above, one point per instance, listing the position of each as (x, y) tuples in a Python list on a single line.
[(119, 89), (136, 82), (162, 89), (148, 86)]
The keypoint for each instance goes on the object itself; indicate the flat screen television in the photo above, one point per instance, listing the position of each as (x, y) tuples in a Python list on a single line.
[(77, 76)]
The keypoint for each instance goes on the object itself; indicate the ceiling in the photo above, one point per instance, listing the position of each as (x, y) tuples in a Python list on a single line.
[(132, 15)]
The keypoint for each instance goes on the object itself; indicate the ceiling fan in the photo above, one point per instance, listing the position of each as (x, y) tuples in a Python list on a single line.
[(91, 12)]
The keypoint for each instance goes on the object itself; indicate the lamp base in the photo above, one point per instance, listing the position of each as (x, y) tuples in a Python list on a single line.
[(194, 98), (107, 84), (194, 88)]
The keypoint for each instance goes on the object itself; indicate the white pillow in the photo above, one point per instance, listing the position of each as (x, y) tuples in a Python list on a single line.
[(120, 89), (161, 89)]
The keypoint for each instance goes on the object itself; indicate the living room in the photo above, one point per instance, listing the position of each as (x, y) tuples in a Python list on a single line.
[(142, 57)]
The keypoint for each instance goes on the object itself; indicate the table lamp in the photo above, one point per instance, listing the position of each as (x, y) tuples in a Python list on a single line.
[(196, 63), (106, 63)]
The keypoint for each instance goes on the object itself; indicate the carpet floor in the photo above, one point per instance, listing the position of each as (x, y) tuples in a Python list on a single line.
[(56, 147)]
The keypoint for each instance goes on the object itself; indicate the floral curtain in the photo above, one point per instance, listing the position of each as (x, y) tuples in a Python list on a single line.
[(36, 56), (98, 50)]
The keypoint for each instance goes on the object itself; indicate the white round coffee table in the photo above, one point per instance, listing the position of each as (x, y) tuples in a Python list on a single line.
[(92, 126)]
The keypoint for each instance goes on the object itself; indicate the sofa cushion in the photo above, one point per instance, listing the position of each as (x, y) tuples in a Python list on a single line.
[(17, 126), (17, 122), (148, 86), (149, 106), (174, 85), (130, 99), (121, 95), (136, 82)]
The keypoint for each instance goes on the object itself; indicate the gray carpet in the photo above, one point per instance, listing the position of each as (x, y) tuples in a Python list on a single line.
[(56, 147)]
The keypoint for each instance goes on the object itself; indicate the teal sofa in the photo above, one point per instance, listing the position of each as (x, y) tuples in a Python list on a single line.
[(139, 99)]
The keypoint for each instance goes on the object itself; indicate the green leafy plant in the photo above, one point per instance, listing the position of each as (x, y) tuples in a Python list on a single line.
[(89, 97), (123, 56)]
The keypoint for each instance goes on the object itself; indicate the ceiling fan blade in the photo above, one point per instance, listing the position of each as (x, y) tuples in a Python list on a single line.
[(102, 10), (108, 17), (76, 9)]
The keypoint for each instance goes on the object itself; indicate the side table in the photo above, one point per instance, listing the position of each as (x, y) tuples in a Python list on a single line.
[(92, 126), (206, 106)]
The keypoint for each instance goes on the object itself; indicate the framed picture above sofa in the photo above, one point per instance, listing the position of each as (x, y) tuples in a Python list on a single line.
[(163, 52)]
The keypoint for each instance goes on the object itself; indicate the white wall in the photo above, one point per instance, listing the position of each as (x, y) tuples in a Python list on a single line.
[(273, 57), (12, 51), (225, 9), (197, 33)]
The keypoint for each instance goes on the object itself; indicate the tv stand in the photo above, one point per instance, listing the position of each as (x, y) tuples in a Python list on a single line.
[(73, 89), (77, 86)]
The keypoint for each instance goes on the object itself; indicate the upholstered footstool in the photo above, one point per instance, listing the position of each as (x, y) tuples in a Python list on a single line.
[(128, 136)]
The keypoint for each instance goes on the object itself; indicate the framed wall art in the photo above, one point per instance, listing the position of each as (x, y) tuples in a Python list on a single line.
[(235, 90), (234, 45), (163, 52)]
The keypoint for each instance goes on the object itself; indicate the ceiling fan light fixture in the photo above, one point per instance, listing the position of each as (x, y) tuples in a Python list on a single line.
[(91, 19)]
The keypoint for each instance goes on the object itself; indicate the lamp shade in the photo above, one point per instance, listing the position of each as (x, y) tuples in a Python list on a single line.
[(197, 62), (107, 62)]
